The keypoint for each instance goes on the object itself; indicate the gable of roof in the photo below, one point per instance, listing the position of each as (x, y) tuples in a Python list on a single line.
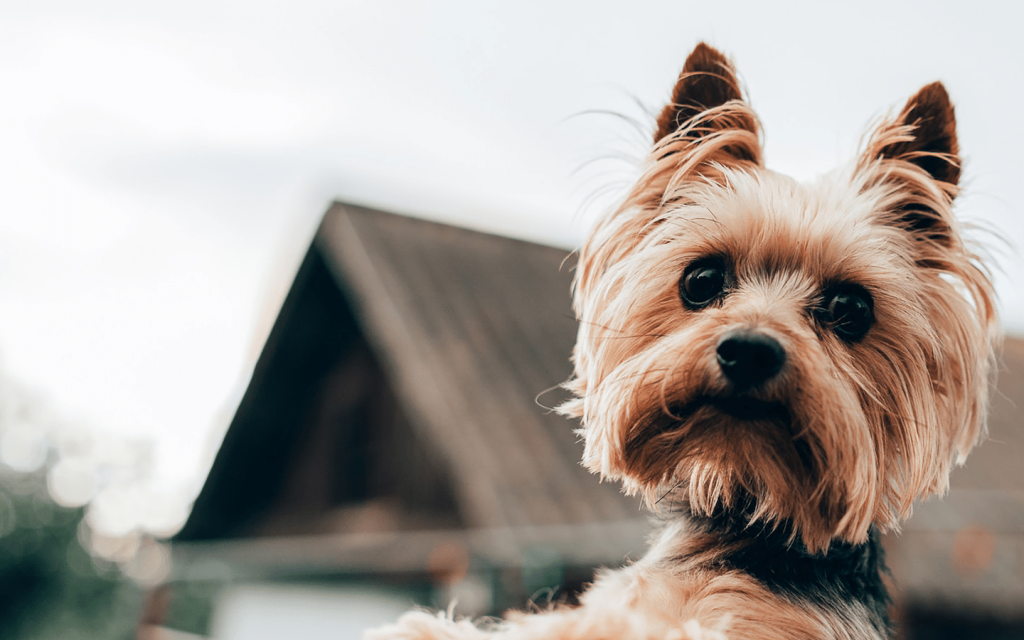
[(472, 328), (468, 329)]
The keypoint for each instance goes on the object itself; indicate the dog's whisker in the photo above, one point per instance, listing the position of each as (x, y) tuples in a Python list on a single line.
[(669, 491)]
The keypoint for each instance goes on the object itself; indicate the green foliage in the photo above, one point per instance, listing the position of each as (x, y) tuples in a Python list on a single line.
[(191, 607), (50, 587)]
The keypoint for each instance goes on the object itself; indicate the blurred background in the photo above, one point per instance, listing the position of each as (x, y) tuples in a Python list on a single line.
[(347, 399)]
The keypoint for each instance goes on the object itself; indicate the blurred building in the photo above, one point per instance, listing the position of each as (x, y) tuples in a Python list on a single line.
[(397, 429), (389, 450)]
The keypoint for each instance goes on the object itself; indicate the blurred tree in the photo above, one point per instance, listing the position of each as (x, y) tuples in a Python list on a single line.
[(50, 586)]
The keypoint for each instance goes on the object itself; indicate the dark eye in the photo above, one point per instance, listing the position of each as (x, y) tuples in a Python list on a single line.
[(848, 312), (702, 282)]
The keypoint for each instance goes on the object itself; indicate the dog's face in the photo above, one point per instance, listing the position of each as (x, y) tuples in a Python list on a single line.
[(820, 352)]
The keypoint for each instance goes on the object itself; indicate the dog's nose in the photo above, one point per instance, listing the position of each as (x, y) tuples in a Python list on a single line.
[(749, 358)]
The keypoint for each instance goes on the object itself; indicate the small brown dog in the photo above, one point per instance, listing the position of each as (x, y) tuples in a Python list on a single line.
[(784, 368)]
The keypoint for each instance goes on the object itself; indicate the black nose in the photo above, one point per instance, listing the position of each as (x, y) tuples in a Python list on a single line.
[(748, 358)]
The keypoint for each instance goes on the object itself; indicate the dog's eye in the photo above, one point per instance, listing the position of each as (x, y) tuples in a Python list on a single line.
[(702, 283), (849, 313)]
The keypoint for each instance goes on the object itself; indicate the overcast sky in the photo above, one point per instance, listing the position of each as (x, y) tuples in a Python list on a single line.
[(165, 163)]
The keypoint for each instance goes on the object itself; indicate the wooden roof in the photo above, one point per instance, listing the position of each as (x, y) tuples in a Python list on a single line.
[(473, 327), (473, 334)]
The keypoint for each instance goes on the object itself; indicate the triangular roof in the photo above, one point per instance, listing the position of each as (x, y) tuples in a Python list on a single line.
[(469, 329)]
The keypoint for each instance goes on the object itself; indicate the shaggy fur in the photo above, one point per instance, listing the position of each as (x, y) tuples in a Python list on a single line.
[(782, 368)]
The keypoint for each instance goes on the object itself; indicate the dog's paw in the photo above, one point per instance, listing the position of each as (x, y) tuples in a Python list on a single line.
[(421, 625)]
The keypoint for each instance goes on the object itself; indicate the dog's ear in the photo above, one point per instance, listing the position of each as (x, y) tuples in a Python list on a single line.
[(922, 138), (708, 80), (932, 144)]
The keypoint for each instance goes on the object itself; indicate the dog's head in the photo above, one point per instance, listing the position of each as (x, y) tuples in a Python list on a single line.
[(820, 351)]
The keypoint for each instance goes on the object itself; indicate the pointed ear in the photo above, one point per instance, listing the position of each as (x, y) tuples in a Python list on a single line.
[(933, 145), (708, 80), (917, 153)]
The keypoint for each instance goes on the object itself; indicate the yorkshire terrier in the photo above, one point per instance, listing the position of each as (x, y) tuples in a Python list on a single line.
[(781, 368)]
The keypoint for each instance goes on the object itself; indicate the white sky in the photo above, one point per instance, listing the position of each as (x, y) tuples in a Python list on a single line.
[(165, 163)]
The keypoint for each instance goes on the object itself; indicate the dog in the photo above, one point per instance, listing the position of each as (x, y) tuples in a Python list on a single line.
[(780, 368)]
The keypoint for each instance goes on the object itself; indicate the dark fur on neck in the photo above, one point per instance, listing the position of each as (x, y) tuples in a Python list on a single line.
[(846, 574)]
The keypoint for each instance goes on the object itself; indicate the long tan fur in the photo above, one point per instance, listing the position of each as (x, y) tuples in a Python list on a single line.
[(843, 438)]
